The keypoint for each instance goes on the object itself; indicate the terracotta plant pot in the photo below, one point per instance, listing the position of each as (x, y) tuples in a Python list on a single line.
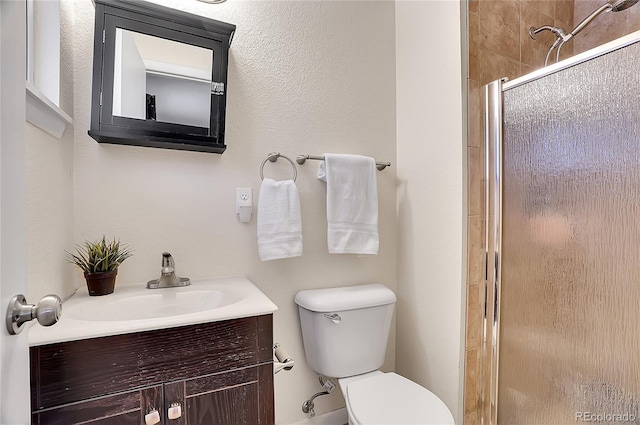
[(101, 283)]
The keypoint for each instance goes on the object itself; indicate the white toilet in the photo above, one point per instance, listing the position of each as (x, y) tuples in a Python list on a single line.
[(345, 332)]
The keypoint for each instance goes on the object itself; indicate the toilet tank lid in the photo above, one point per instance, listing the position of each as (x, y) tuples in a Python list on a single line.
[(345, 298)]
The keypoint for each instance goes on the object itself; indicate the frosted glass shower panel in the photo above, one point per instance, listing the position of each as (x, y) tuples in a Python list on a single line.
[(569, 320)]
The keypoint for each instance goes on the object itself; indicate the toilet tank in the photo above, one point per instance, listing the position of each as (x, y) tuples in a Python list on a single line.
[(345, 330)]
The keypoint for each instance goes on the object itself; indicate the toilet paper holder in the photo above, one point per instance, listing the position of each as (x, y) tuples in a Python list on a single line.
[(282, 359)]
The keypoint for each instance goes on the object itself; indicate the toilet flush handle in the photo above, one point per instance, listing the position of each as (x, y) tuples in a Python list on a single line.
[(334, 317)]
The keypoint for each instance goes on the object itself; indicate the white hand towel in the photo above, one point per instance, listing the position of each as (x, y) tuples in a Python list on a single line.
[(352, 203), (279, 220)]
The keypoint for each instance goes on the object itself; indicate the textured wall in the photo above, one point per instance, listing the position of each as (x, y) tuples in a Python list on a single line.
[(49, 188), (430, 197), (304, 77)]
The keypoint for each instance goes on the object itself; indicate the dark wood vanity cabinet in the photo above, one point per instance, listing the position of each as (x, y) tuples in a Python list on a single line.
[(218, 373)]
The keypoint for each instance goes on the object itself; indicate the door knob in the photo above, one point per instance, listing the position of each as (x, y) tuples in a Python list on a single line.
[(47, 311)]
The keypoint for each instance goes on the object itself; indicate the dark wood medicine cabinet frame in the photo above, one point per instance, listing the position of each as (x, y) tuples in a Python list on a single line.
[(171, 24)]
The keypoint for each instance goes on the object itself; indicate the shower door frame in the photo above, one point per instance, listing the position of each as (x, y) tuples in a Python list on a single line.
[(493, 107)]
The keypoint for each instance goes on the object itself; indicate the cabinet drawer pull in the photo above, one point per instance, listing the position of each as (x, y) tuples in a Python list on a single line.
[(152, 418), (175, 411)]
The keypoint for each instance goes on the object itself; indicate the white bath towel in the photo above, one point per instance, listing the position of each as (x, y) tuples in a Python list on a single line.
[(352, 203), (279, 220)]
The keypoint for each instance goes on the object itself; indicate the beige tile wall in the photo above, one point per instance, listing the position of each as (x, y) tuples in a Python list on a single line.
[(500, 46)]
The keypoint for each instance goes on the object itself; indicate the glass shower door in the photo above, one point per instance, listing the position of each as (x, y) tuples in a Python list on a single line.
[(563, 340)]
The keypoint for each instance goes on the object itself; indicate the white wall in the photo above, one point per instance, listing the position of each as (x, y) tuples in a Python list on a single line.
[(304, 78), (129, 78), (174, 54), (46, 38), (49, 180), (49, 189), (431, 212), (181, 100)]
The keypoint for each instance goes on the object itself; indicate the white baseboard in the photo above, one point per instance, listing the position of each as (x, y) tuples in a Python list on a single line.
[(335, 417)]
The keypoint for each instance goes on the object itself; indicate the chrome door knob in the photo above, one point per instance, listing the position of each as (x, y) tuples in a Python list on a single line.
[(47, 312)]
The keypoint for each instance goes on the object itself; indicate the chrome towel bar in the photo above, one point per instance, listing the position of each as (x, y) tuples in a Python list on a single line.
[(300, 159)]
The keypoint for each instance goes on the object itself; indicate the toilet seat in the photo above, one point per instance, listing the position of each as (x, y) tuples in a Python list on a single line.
[(392, 399)]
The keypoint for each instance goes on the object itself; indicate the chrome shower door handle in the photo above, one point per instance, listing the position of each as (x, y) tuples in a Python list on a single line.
[(334, 317), (47, 311)]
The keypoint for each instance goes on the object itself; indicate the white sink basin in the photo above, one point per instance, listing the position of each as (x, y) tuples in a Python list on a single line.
[(134, 308), (153, 304)]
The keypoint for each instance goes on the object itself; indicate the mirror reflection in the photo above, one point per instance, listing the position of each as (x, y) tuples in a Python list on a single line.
[(162, 80)]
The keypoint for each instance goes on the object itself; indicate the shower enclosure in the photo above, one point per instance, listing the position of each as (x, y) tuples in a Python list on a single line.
[(562, 318)]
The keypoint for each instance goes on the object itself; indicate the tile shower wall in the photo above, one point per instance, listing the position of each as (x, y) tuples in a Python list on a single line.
[(499, 46)]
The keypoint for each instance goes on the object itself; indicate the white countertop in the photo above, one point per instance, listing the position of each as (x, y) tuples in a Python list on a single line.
[(134, 308)]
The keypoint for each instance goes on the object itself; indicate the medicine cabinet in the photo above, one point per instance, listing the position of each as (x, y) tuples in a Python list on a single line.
[(159, 77)]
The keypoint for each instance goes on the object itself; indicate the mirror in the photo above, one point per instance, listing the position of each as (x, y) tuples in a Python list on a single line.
[(162, 80), (159, 77)]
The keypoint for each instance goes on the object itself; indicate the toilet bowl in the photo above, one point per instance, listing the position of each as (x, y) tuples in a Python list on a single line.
[(388, 398), (345, 332)]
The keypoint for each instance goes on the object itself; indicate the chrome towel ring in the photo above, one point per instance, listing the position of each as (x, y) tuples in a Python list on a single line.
[(273, 157)]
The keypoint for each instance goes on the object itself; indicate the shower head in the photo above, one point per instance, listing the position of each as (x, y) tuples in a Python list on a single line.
[(612, 6), (562, 37), (620, 5)]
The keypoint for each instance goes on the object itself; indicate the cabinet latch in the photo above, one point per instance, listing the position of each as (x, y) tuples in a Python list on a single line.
[(217, 88)]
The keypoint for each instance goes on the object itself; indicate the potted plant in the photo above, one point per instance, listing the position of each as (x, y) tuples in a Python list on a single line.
[(100, 261)]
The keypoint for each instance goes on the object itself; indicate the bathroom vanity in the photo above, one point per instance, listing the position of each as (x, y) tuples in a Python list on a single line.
[(217, 371)]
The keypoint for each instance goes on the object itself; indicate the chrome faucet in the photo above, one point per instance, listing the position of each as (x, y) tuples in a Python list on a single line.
[(168, 278)]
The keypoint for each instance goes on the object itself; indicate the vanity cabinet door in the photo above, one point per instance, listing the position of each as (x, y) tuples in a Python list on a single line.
[(231, 406), (127, 408), (238, 397)]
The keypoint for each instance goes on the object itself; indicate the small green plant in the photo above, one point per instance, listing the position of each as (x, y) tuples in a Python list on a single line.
[(99, 256)]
